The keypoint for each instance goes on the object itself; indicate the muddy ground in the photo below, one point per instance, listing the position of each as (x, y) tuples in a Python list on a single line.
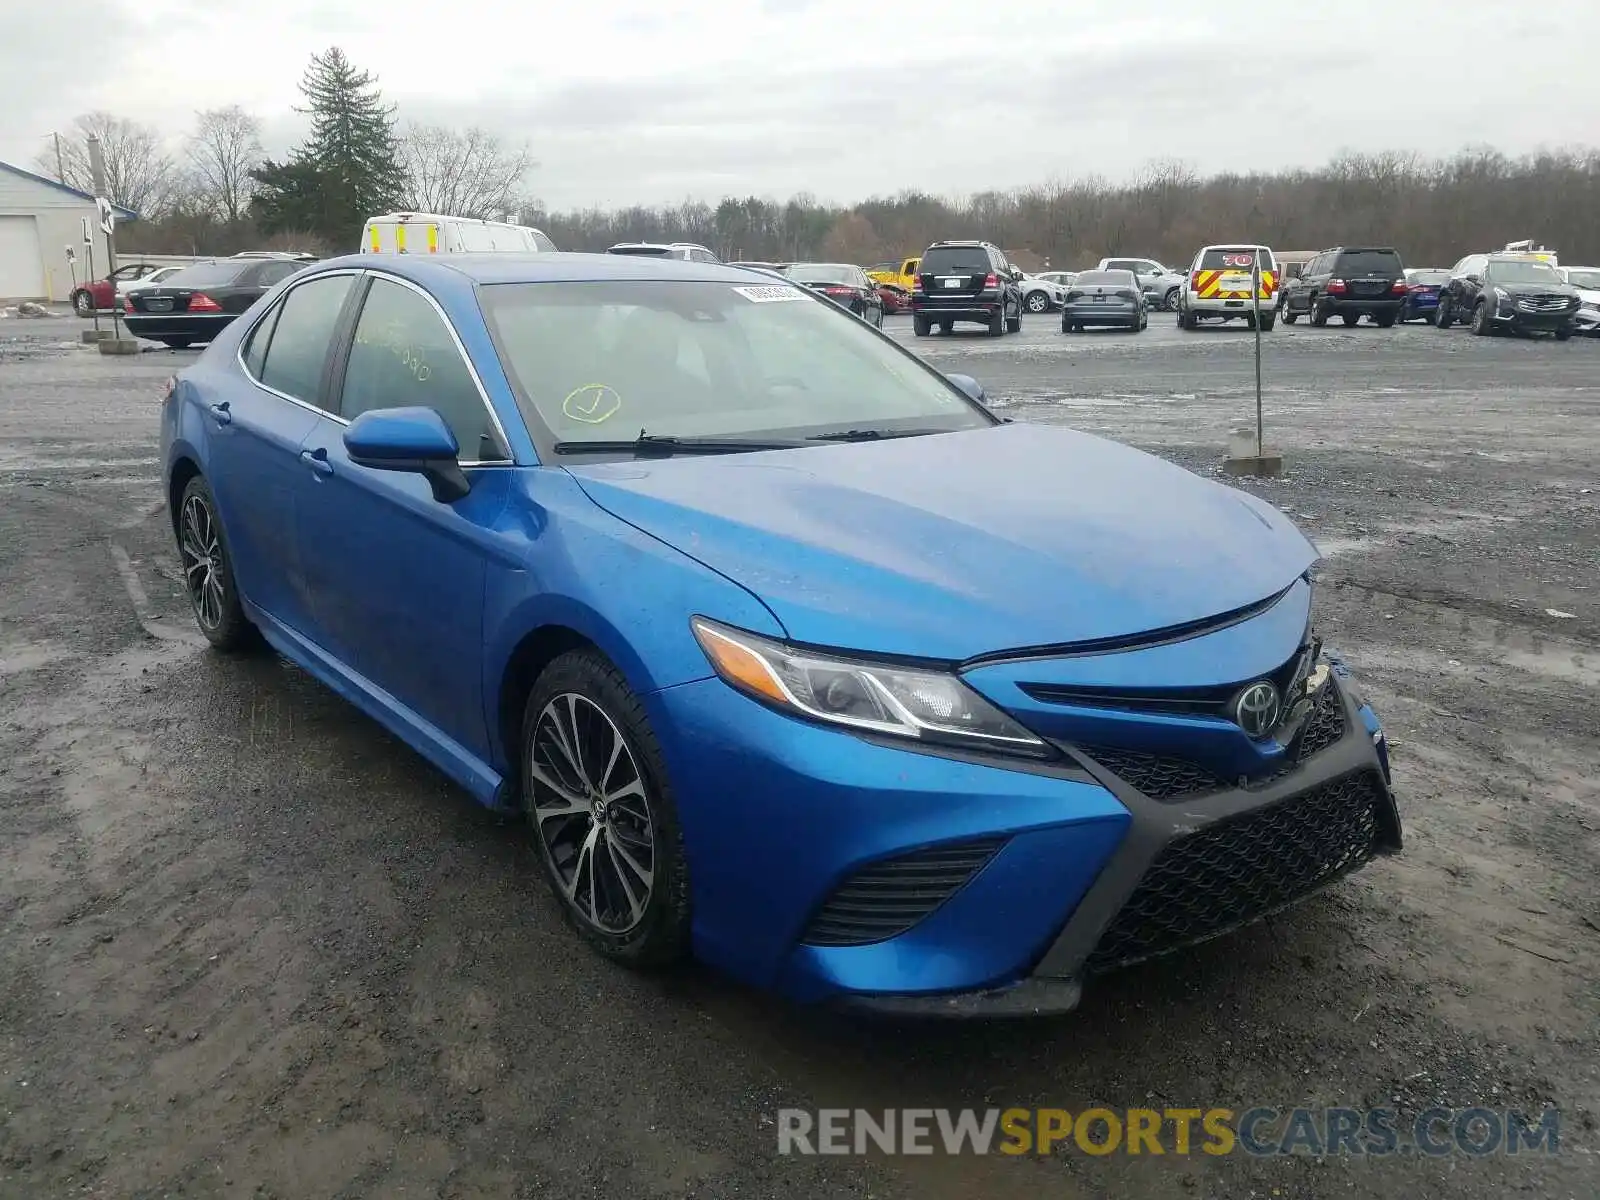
[(252, 946)]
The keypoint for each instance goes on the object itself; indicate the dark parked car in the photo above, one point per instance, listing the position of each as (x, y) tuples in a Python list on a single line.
[(199, 302), (1350, 282), (966, 281), (846, 285), (1422, 294), (1112, 298), (1509, 291)]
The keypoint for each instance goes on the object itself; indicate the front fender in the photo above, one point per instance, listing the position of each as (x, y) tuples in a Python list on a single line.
[(624, 590)]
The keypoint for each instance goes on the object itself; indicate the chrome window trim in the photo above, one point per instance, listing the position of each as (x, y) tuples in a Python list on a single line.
[(455, 339), (477, 381)]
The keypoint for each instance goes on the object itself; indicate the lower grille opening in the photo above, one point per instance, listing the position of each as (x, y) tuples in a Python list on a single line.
[(1156, 775), (1324, 723), (889, 897), (1238, 871)]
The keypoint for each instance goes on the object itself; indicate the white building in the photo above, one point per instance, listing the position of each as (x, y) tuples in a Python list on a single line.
[(39, 220)]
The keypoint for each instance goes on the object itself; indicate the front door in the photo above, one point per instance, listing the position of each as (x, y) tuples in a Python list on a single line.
[(397, 577)]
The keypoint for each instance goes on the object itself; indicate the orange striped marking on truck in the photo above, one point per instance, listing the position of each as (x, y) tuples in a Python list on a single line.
[(1208, 285)]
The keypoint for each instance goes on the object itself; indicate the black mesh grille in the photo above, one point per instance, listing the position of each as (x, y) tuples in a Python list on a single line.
[(1157, 776), (888, 898), (1240, 870), (1324, 724)]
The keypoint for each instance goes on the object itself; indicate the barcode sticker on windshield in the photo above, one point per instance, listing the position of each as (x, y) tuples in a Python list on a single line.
[(769, 295)]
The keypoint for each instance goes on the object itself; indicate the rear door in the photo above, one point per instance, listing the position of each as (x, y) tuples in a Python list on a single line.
[(255, 467), (955, 270)]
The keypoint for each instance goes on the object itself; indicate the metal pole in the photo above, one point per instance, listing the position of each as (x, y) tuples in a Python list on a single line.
[(1255, 276), (97, 169), (88, 278)]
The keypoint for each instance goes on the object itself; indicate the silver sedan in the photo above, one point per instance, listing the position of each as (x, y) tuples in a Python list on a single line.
[(1104, 298)]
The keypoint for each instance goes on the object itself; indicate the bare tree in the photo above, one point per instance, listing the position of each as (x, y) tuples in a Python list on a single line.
[(469, 173), (139, 172), (853, 240), (225, 145)]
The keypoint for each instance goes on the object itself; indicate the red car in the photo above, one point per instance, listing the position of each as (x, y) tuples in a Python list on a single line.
[(895, 298), (101, 294)]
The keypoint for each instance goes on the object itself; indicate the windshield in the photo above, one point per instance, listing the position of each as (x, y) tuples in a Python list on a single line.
[(1523, 272), (600, 361), (208, 274), (821, 273), (1587, 280)]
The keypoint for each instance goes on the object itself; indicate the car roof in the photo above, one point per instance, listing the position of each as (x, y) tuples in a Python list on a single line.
[(519, 267)]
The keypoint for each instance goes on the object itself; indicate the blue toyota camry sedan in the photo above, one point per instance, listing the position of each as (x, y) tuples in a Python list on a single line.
[(795, 657)]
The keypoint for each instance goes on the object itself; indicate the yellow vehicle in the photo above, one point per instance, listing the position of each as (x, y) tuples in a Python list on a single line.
[(903, 276)]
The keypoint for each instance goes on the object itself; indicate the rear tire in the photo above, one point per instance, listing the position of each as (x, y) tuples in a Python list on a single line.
[(83, 303), (1170, 301), (920, 325), (997, 324), (1350, 319), (1289, 314), (179, 343), (1386, 320), (208, 570), (945, 327), (1268, 320), (1190, 320), (1038, 302), (1318, 314), (1443, 318)]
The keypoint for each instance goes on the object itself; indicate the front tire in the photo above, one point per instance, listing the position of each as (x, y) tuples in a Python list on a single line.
[(1480, 319), (1170, 300), (1038, 302), (1563, 335), (1268, 320), (208, 570), (1443, 318), (595, 792)]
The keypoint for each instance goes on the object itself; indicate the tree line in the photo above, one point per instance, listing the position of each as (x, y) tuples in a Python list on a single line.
[(220, 193)]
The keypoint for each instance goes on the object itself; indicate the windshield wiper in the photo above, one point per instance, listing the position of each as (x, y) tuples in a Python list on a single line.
[(871, 435), (656, 445)]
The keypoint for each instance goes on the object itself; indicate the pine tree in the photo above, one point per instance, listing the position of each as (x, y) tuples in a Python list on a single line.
[(349, 168)]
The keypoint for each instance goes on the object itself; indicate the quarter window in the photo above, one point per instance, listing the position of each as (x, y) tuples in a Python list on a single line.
[(403, 356), (300, 339)]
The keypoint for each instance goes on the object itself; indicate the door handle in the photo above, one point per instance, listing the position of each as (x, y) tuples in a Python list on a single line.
[(221, 413), (317, 460)]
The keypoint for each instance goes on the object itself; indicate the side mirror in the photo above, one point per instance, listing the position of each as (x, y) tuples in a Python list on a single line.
[(970, 386), (409, 439)]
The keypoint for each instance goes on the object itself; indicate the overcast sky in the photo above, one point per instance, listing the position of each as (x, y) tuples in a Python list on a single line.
[(626, 101)]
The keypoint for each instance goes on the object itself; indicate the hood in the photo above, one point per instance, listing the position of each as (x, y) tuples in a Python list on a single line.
[(953, 545), (1589, 295), (1536, 289)]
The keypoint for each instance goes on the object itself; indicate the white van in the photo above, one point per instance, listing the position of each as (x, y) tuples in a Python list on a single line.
[(430, 233)]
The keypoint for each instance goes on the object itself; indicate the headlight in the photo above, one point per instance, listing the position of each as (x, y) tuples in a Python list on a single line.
[(1502, 294), (882, 698)]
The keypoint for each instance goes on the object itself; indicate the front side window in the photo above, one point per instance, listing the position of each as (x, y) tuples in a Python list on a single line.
[(602, 360), (403, 356), (298, 350)]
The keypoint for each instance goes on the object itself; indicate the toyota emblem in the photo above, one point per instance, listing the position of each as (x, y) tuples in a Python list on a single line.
[(1256, 708)]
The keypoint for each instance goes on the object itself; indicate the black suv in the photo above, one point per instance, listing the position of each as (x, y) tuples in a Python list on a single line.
[(1350, 281), (966, 281)]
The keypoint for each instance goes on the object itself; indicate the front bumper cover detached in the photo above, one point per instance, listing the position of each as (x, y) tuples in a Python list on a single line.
[(1196, 867)]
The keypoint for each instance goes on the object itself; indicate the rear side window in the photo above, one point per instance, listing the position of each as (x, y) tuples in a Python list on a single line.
[(404, 356), (956, 260), (255, 345), (300, 339), (1369, 262), (543, 243)]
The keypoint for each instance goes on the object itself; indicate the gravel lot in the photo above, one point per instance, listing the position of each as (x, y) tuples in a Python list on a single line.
[(251, 946)]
